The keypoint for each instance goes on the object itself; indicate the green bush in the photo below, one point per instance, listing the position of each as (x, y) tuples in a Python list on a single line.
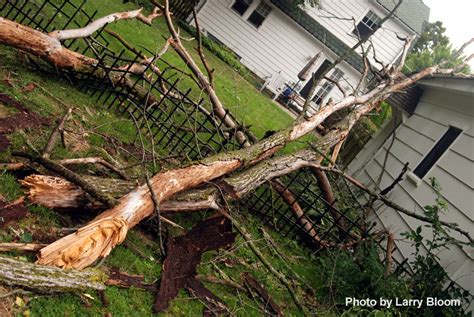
[(430, 278), (359, 273)]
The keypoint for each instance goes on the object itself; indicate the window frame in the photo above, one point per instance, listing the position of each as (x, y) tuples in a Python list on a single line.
[(415, 178), (355, 30), (250, 3), (326, 88), (269, 10)]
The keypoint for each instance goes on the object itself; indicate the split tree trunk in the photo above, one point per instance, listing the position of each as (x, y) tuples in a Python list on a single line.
[(58, 193), (97, 239)]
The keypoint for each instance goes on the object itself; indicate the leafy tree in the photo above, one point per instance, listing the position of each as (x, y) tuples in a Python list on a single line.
[(433, 47), (312, 3), (432, 37)]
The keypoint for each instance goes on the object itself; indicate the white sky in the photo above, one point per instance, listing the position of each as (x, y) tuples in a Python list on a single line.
[(457, 18)]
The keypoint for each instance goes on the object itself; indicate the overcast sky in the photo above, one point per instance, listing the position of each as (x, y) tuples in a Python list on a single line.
[(457, 17)]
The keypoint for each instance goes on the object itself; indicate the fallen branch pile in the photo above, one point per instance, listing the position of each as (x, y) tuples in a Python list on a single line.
[(201, 185)]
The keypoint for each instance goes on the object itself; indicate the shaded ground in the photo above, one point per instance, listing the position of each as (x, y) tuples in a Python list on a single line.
[(22, 119)]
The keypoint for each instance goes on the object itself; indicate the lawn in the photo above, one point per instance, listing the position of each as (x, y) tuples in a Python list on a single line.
[(237, 94), (94, 127)]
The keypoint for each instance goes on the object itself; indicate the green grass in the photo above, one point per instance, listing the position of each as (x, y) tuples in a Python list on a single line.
[(9, 187), (236, 93), (53, 96)]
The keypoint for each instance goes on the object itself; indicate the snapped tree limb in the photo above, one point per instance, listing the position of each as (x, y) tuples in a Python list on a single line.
[(108, 229)]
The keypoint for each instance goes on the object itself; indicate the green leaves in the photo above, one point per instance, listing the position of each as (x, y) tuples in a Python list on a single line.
[(432, 48)]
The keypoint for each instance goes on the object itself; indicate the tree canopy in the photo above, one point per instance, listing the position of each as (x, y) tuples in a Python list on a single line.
[(433, 47)]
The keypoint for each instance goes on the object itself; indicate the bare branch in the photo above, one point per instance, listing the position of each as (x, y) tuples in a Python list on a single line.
[(403, 57), (94, 26), (217, 105), (343, 57), (394, 205), (7, 247), (209, 71), (55, 134), (338, 85)]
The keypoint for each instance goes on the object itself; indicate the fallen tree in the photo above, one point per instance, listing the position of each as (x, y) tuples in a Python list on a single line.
[(252, 163)]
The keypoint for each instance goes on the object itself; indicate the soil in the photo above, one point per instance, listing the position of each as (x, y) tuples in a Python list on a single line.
[(11, 211), (4, 143), (22, 120)]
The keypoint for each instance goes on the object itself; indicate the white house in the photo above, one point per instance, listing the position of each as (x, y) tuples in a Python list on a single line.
[(436, 138), (272, 36)]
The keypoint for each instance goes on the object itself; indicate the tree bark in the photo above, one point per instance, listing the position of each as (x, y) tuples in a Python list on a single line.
[(46, 279), (307, 224), (325, 187), (97, 239)]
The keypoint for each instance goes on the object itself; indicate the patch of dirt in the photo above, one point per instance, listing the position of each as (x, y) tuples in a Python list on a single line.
[(9, 101), (22, 120), (7, 303), (11, 211), (4, 143)]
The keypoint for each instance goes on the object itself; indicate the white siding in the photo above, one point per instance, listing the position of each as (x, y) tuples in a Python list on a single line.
[(279, 44), (437, 109), (340, 17)]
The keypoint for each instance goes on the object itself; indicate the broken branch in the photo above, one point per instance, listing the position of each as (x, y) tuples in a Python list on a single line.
[(94, 26)]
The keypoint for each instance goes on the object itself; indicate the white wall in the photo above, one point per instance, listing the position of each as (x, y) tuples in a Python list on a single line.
[(278, 44), (437, 109), (386, 44)]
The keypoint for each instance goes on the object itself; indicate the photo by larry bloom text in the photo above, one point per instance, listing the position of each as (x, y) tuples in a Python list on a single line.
[(401, 302)]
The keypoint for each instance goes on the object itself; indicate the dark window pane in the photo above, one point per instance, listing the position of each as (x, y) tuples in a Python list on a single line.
[(317, 99), (433, 156), (368, 23), (240, 6), (362, 30), (256, 19), (306, 89), (258, 16)]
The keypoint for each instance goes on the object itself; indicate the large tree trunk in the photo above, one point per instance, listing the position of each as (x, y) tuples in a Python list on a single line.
[(58, 193), (97, 239), (46, 279)]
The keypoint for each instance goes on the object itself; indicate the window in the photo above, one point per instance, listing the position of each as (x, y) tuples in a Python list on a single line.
[(307, 88), (327, 86), (440, 147), (368, 23), (240, 6), (258, 16)]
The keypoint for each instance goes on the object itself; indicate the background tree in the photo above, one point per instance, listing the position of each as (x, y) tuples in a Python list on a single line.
[(433, 47), (432, 37)]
